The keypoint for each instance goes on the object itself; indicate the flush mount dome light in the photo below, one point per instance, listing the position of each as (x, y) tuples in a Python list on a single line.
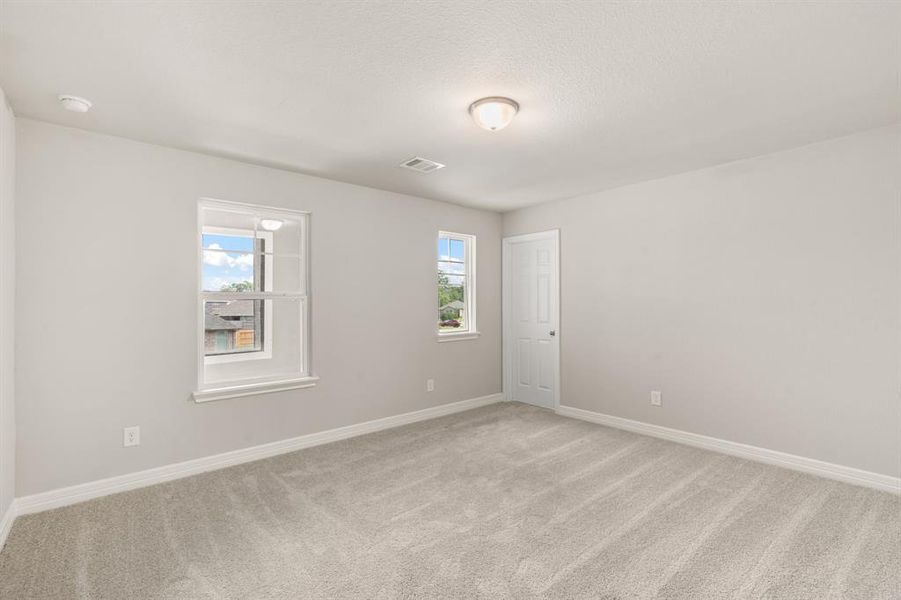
[(75, 103), (271, 224), (493, 113)]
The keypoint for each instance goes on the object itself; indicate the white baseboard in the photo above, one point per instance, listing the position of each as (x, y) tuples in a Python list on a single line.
[(6, 522), (812, 466), (121, 483)]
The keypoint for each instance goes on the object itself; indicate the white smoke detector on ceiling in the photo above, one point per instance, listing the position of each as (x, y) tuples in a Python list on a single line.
[(75, 103), (420, 164)]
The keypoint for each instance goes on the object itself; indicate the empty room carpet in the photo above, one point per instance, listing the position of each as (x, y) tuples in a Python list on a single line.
[(505, 501)]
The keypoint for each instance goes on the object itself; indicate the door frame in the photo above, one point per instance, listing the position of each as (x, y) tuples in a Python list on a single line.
[(506, 256)]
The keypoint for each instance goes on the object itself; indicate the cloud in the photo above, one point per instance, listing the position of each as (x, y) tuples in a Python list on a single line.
[(223, 259), (215, 284)]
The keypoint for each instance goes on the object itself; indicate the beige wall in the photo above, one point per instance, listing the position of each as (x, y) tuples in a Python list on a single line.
[(7, 305), (107, 314), (762, 297)]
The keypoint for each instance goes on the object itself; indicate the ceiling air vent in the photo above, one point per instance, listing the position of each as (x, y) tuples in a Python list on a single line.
[(423, 165)]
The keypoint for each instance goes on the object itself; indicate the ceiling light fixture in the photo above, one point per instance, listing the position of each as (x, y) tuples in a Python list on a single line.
[(493, 113), (271, 224), (75, 104)]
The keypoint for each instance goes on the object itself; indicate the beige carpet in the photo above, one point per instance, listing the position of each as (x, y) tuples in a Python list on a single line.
[(506, 501)]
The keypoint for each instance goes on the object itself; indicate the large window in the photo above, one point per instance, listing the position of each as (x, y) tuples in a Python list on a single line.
[(253, 300), (456, 285)]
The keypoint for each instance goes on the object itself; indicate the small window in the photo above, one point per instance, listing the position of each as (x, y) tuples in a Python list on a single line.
[(253, 299), (456, 285)]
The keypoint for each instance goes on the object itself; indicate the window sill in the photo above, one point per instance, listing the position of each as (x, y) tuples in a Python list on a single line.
[(458, 337), (253, 389)]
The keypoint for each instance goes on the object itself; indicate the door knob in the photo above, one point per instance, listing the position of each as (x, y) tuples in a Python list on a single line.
[(553, 332)]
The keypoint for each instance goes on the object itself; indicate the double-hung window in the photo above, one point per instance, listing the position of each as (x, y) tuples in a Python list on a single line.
[(456, 286), (253, 302)]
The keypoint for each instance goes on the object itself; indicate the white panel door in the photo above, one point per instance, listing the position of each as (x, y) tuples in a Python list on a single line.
[(532, 338)]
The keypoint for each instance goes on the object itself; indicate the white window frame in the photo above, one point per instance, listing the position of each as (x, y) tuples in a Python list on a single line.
[(266, 351), (249, 387), (469, 260)]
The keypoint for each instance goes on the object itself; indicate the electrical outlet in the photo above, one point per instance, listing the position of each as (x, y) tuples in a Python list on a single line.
[(656, 399), (131, 436), (430, 385)]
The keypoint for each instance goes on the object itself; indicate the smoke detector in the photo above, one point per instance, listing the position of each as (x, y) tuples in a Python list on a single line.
[(75, 103), (420, 164)]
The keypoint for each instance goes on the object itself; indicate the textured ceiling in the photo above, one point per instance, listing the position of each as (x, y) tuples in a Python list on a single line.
[(611, 93)]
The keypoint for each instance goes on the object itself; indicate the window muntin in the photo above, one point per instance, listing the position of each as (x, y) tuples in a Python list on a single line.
[(456, 283), (253, 297)]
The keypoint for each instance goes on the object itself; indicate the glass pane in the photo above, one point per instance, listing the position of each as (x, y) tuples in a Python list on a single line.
[(443, 248), (451, 303), (286, 239), (229, 262), (237, 243), (276, 327), (456, 249), (247, 272), (282, 274), (450, 268), (229, 272), (241, 260), (234, 228), (235, 327)]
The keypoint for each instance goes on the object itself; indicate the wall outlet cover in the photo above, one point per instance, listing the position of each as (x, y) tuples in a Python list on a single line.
[(131, 436)]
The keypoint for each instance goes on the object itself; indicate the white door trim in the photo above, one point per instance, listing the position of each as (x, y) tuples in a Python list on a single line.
[(553, 234)]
